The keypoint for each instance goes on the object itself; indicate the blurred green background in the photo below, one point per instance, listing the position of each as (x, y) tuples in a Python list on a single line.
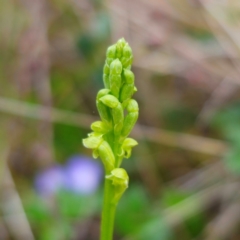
[(184, 174)]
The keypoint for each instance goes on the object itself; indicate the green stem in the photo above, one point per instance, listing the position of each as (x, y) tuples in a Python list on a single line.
[(108, 212)]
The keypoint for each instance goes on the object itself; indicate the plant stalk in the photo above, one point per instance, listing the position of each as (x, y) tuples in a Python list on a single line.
[(108, 212)]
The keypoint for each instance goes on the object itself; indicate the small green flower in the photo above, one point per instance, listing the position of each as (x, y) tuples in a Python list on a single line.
[(120, 179), (101, 148), (126, 148)]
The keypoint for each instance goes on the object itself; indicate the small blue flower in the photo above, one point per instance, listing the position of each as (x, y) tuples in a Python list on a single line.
[(50, 181), (82, 174)]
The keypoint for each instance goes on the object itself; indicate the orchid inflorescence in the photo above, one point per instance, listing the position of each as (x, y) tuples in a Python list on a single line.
[(118, 112)]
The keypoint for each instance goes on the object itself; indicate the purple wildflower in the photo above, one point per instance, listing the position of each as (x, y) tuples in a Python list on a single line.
[(82, 174), (49, 181)]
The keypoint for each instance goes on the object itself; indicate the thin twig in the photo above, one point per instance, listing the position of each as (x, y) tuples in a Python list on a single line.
[(220, 94), (11, 207), (211, 10), (225, 225), (186, 141), (199, 202)]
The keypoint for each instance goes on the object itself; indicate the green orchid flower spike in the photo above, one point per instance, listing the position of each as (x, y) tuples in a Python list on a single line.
[(109, 139)]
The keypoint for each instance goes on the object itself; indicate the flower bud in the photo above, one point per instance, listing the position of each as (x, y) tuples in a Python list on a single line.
[(128, 124), (121, 42), (115, 79), (106, 154), (119, 47), (103, 109), (106, 71), (115, 84), (116, 67), (118, 119), (126, 93), (127, 51), (102, 93), (111, 51), (111, 54), (109, 101), (127, 89), (132, 106), (127, 56), (130, 119), (128, 76)]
